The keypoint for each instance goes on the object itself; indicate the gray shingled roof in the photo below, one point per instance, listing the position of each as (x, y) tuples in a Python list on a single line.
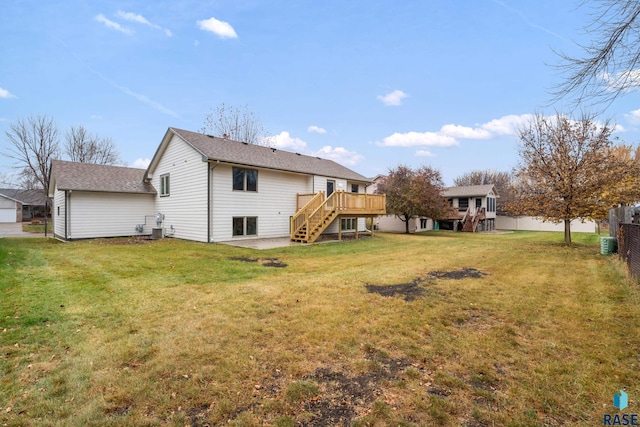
[(239, 153), (469, 190), (26, 197), (90, 177)]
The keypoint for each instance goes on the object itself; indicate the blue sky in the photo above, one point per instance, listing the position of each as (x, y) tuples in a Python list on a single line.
[(370, 84)]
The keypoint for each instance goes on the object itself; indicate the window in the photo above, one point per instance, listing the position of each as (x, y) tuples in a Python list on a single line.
[(491, 204), (463, 203), (245, 179), (423, 223), (164, 185), (355, 188), (478, 203), (245, 226), (58, 210), (349, 223)]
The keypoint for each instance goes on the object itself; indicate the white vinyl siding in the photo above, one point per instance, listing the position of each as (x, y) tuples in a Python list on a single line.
[(58, 214), (273, 204), (104, 214), (186, 208)]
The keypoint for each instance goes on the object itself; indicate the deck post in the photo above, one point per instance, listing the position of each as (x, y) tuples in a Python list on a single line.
[(357, 228), (339, 229)]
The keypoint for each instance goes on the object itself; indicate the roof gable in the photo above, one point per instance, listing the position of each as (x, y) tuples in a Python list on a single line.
[(240, 153), (470, 191), (102, 178)]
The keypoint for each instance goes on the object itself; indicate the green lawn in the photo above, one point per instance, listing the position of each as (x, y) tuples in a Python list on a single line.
[(123, 332)]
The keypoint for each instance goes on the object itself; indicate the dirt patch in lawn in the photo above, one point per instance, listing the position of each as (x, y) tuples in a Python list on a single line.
[(414, 289), (332, 395), (266, 262), (463, 273), (409, 291)]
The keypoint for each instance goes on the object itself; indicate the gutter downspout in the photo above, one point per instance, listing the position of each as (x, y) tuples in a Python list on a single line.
[(210, 197), (66, 214)]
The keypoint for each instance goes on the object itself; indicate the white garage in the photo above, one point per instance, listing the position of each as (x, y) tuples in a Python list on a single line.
[(8, 209)]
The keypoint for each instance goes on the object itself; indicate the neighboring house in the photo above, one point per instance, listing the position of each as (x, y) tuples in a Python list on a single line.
[(208, 189), (475, 205), (18, 205), (475, 210)]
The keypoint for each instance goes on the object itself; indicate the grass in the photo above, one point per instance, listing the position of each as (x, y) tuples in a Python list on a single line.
[(37, 228), (117, 332)]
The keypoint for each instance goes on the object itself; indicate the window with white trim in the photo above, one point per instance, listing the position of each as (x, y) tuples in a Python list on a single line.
[(245, 225), (245, 179), (164, 185), (349, 223)]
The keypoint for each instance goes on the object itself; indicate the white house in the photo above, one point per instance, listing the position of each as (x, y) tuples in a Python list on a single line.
[(474, 210), (208, 189)]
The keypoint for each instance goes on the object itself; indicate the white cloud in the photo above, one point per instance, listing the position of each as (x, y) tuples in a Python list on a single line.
[(340, 155), (141, 163), (424, 153), (223, 29), (285, 141), (134, 17), (633, 117), (113, 25), (5, 94), (464, 132), (450, 134), (393, 99), (96, 117), (316, 129), (412, 139)]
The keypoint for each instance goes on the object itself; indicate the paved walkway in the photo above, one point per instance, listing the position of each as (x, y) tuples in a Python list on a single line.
[(14, 229)]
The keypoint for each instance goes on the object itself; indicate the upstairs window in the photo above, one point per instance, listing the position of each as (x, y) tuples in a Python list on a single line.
[(463, 203), (491, 204), (164, 185), (355, 188), (245, 179)]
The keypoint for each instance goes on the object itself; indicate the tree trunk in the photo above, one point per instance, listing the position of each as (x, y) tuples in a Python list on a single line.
[(406, 224), (567, 231)]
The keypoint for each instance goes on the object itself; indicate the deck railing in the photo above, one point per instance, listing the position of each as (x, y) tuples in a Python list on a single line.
[(314, 209), (346, 202)]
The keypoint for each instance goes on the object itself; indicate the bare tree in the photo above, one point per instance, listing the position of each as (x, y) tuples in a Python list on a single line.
[(503, 181), (82, 146), (236, 124), (609, 65), (33, 143)]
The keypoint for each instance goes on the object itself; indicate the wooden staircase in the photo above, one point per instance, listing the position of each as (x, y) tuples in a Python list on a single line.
[(315, 212), (313, 218), (471, 219)]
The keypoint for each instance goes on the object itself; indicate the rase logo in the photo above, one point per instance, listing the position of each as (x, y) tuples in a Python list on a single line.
[(620, 401)]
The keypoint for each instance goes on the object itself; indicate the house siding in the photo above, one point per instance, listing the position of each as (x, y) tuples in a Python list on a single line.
[(59, 220), (273, 204), (185, 208), (108, 214)]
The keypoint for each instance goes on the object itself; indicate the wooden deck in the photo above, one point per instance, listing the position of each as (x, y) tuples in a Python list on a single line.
[(315, 212)]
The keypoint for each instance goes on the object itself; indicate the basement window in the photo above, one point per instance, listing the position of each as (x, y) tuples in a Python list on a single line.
[(245, 225), (348, 224)]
